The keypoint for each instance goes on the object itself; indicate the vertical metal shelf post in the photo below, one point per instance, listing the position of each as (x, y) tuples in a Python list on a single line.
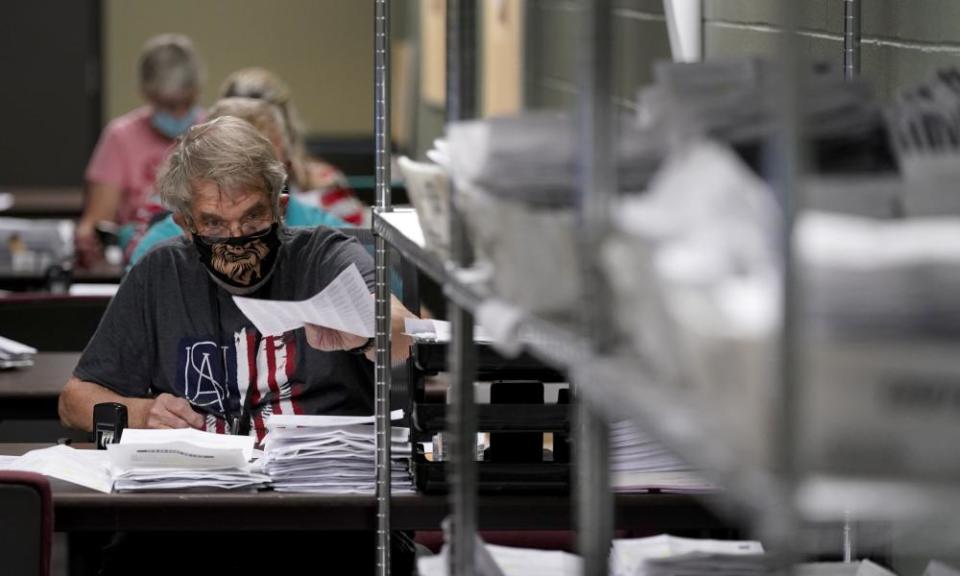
[(381, 121), (597, 182), (462, 415), (786, 165), (851, 70), (851, 39)]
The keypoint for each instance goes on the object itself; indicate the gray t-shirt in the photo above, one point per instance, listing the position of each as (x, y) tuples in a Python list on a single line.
[(170, 328)]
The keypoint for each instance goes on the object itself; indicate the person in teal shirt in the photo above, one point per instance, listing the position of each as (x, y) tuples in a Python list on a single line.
[(268, 120)]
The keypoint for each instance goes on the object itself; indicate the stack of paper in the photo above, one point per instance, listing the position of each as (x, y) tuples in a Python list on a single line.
[(638, 463), (923, 119), (428, 187), (182, 459), (14, 354), (874, 279), (670, 556), (924, 128), (533, 158), (88, 468), (735, 101), (332, 454)]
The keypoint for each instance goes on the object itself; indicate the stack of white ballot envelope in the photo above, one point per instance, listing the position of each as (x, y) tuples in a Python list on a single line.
[(182, 459), (671, 556), (331, 454), (13, 354), (637, 463)]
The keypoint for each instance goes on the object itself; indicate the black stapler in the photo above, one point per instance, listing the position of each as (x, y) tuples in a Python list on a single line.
[(109, 420)]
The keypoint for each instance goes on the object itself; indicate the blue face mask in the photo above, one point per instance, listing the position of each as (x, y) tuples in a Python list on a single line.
[(172, 126)]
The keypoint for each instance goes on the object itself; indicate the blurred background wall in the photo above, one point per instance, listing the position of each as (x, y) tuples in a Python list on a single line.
[(322, 49), (69, 75)]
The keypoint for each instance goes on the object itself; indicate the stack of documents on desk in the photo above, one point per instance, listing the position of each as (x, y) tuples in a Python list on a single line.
[(88, 468), (671, 556), (638, 463), (331, 454), (13, 354), (182, 459)]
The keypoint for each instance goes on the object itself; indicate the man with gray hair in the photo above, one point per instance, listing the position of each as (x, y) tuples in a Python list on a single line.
[(177, 352), (124, 164), (174, 348)]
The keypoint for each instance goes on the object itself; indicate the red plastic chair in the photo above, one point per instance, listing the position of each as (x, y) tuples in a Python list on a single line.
[(26, 523)]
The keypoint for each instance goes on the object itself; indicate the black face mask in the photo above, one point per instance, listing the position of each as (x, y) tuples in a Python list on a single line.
[(243, 264)]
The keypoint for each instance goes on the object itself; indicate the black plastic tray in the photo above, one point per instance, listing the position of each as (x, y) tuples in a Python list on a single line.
[(497, 477), (431, 358), (427, 417)]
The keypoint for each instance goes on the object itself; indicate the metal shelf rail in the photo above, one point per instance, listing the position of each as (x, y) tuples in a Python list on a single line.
[(597, 186), (461, 104), (382, 374)]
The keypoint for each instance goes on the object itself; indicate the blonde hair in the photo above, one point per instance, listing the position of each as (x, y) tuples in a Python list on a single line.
[(262, 84), (169, 67), (227, 151), (265, 117)]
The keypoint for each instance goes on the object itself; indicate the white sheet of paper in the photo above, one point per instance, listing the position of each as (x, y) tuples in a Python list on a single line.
[(321, 421), (81, 289), (628, 555), (439, 330), (191, 436), (14, 347), (345, 305), (183, 455), (84, 467)]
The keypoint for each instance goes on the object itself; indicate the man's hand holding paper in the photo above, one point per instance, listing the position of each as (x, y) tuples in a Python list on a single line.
[(343, 305), (339, 317)]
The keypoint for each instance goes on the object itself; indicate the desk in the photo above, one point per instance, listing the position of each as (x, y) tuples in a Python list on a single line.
[(28, 399), (63, 202), (32, 392), (25, 280), (78, 509)]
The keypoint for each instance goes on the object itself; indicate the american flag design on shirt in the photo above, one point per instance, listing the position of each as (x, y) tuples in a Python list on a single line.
[(216, 381)]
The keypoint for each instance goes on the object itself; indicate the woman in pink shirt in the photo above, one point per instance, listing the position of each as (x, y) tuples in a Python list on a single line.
[(121, 172)]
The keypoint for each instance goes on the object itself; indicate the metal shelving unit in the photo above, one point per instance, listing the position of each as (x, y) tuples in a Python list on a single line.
[(777, 496)]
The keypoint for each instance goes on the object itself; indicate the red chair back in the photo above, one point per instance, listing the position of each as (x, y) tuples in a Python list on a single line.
[(26, 523)]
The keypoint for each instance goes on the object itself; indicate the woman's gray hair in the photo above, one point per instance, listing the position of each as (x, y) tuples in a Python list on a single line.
[(227, 151), (265, 117), (170, 67)]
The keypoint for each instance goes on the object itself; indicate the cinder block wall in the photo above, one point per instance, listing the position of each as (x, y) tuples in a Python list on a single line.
[(639, 40), (903, 40)]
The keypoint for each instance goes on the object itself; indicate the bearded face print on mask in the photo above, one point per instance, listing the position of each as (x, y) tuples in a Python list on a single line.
[(241, 264)]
